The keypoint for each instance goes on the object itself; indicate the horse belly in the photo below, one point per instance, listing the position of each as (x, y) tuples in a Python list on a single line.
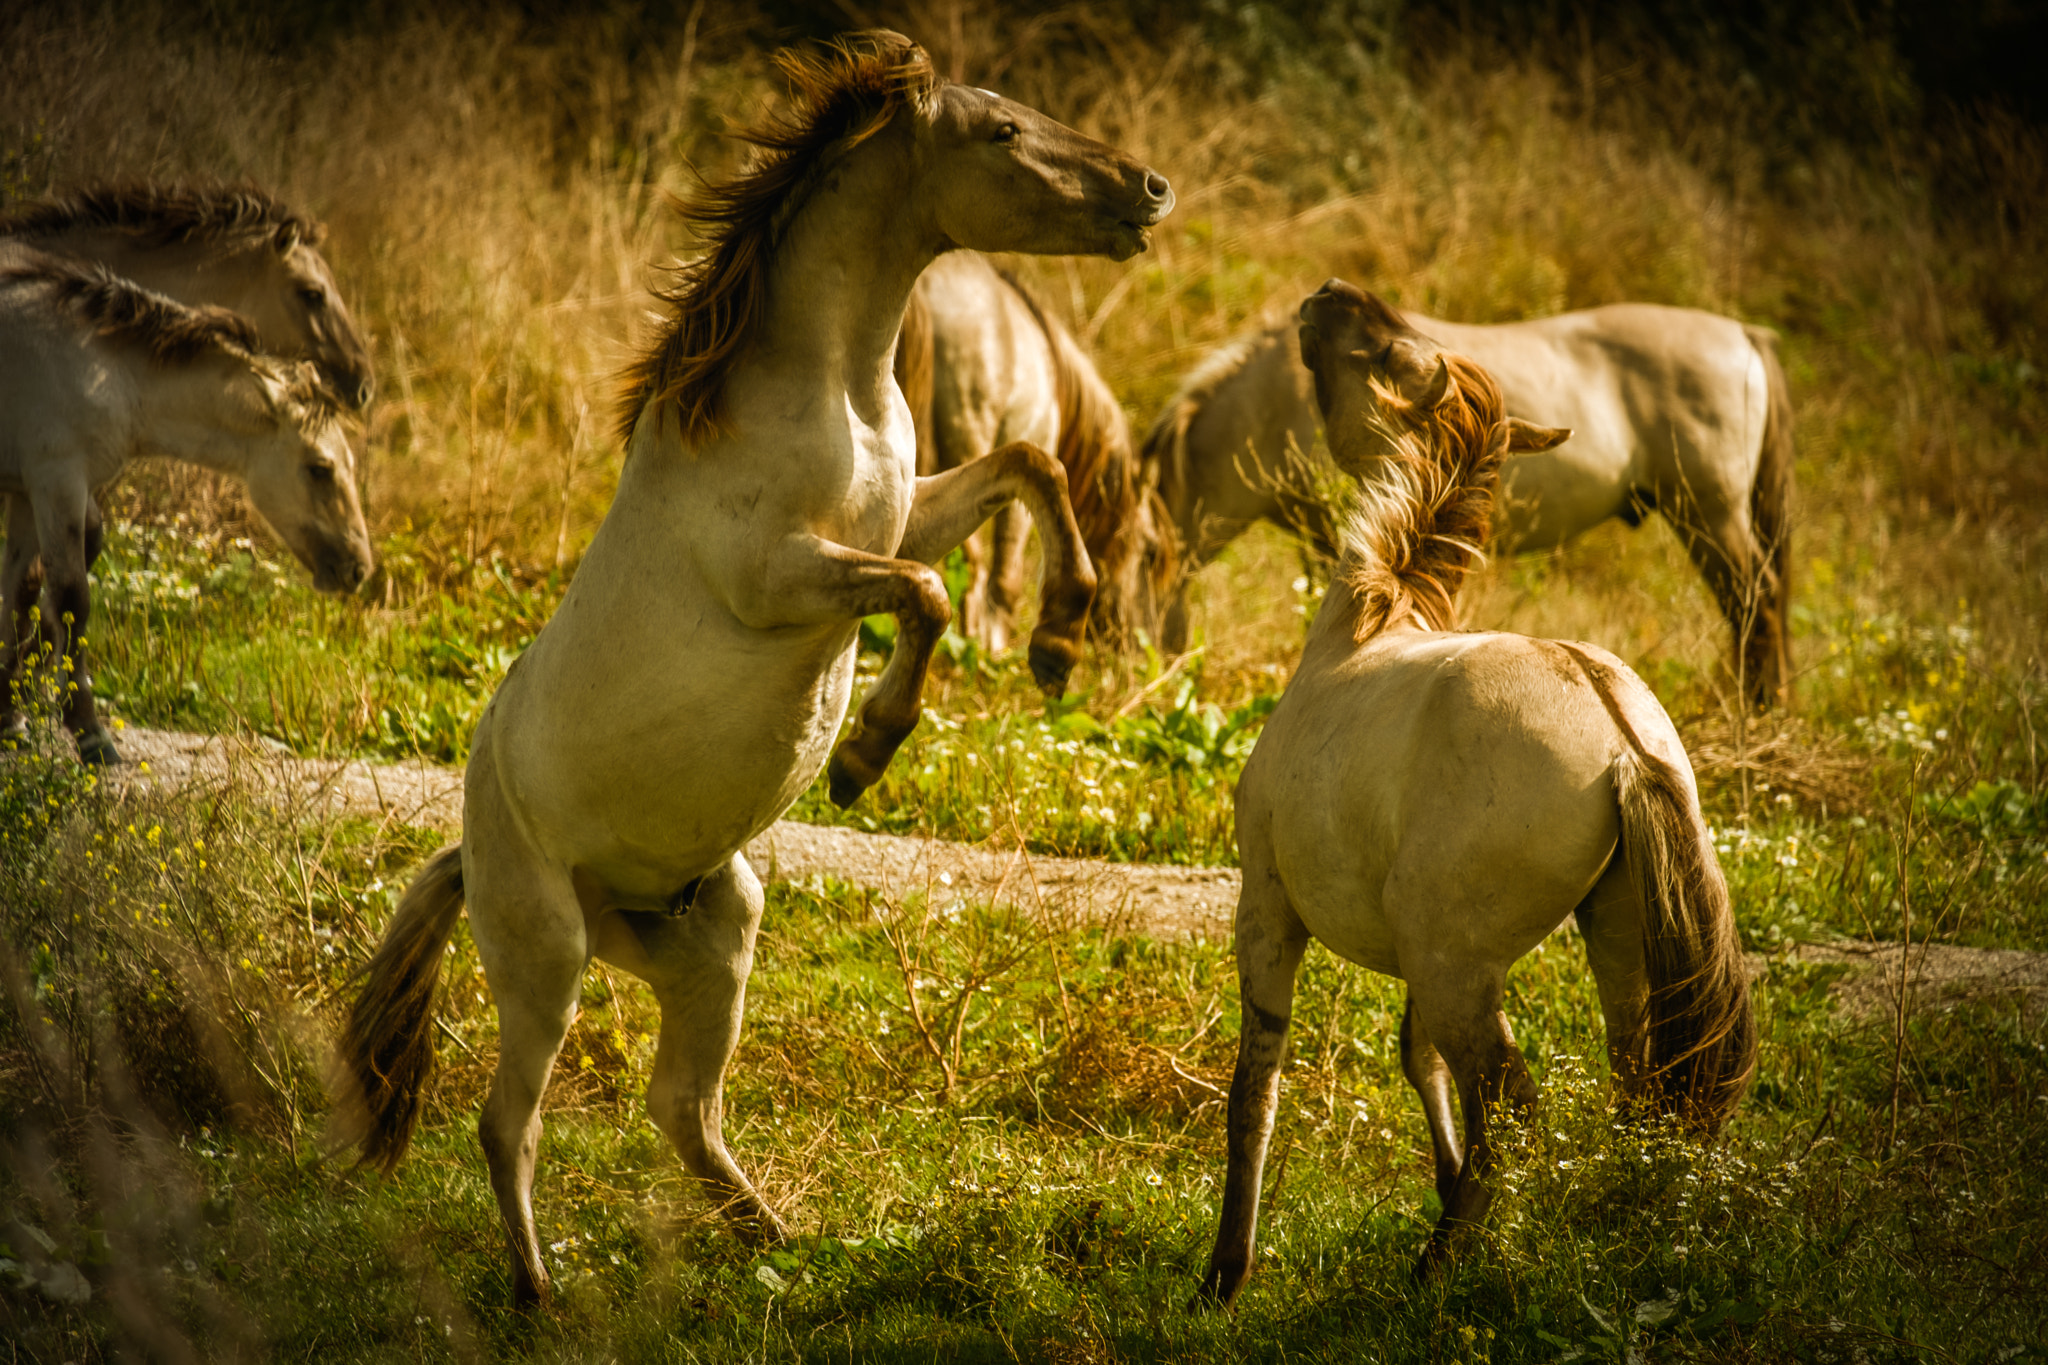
[(648, 771)]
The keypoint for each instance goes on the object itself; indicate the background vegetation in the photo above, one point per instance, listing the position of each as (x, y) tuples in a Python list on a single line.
[(1867, 181)]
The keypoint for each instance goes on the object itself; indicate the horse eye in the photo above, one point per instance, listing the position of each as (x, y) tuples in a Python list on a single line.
[(1006, 133), (314, 299), (320, 473)]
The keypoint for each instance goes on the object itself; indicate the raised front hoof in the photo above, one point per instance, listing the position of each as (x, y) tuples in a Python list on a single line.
[(1052, 663), (96, 748), (847, 776)]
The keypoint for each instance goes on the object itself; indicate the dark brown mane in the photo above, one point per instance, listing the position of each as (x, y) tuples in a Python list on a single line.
[(842, 94), (123, 311), (1423, 523), (162, 214)]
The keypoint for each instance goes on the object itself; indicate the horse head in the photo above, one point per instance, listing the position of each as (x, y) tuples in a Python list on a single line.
[(1367, 359), (298, 309), (1008, 178), (302, 478)]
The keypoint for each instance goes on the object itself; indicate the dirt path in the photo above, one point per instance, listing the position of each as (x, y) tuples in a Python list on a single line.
[(1160, 900)]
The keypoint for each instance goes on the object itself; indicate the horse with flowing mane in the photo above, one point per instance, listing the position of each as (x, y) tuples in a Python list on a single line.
[(1432, 804), (692, 682), (982, 364), (96, 371), (1677, 411)]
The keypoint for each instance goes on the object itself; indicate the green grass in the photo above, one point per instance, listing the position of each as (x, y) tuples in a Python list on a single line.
[(1058, 1205)]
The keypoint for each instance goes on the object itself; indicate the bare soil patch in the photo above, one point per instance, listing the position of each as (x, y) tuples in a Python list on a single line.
[(1160, 900)]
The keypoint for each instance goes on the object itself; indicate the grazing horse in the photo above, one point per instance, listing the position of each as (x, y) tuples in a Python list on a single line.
[(982, 364), (1676, 410), (227, 246), (234, 247), (691, 683), (1432, 804), (96, 371)]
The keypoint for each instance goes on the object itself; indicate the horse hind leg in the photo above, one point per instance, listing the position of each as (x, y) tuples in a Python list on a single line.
[(1270, 943), (1461, 1010), (1425, 1069), (1611, 925), (697, 964), (1739, 573), (530, 937)]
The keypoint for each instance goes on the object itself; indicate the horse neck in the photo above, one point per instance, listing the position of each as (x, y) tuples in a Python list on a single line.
[(844, 270), (207, 411), (190, 271), (1335, 636)]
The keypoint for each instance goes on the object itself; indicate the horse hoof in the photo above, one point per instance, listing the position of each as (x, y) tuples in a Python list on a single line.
[(842, 784), (96, 748), (1051, 667)]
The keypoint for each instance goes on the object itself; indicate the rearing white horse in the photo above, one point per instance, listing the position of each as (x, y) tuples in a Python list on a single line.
[(691, 683)]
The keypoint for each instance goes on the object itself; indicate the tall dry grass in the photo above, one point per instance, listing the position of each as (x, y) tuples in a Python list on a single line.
[(496, 189)]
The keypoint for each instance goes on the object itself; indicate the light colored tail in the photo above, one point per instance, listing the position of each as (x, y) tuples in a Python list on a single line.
[(1701, 1033), (386, 1051), (1767, 653)]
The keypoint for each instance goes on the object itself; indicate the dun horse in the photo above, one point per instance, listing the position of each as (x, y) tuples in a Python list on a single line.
[(1432, 804), (96, 371), (982, 364), (1676, 410), (234, 247), (691, 683)]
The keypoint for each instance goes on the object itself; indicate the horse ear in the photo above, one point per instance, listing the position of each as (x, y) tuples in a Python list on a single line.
[(1440, 390), (1528, 436), (285, 238)]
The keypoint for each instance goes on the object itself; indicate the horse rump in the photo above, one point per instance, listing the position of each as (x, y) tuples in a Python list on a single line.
[(386, 1050)]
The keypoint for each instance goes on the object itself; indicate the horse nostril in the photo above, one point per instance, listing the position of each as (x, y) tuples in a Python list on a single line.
[(1156, 186)]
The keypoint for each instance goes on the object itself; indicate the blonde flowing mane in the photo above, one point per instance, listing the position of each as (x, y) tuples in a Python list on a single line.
[(163, 214), (843, 94), (1422, 520)]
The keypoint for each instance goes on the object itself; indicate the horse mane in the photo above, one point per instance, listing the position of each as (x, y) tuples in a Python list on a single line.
[(843, 94), (1422, 521), (163, 214), (1103, 479), (122, 311)]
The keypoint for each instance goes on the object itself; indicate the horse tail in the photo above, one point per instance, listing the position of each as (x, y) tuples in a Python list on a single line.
[(914, 375), (1700, 1031), (386, 1052), (1768, 651), (1702, 1034)]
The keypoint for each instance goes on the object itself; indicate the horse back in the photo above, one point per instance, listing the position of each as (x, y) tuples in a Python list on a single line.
[(1432, 767)]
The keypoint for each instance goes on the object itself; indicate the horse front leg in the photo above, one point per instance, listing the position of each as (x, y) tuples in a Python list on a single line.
[(62, 524), (808, 580), (21, 588), (1270, 942), (950, 505)]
